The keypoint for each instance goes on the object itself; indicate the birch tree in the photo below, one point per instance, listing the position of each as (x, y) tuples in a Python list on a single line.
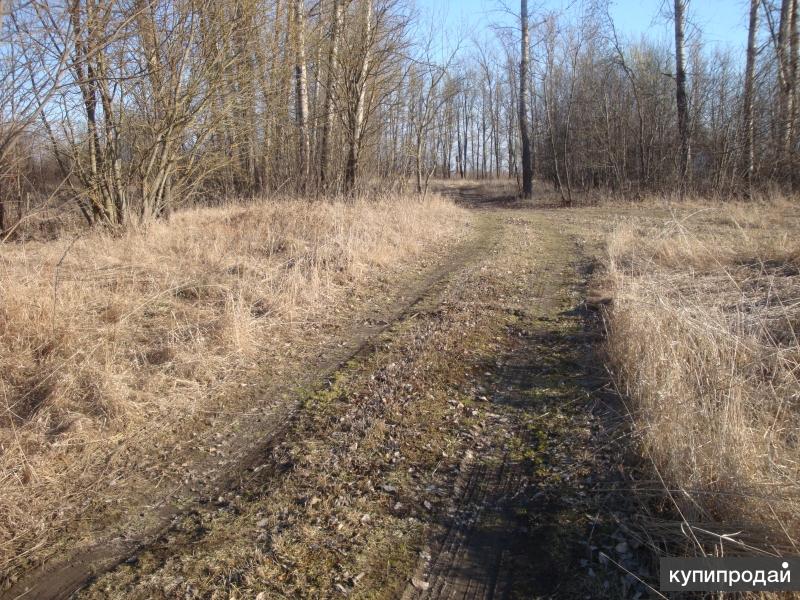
[(524, 126), (682, 100), (301, 90), (330, 87), (356, 94)]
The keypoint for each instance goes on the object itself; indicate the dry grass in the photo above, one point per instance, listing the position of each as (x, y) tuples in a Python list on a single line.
[(704, 335), (103, 337)]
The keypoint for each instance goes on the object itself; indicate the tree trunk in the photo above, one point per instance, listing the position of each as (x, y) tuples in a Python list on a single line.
[(794, 50), (327, 126), (748, 125), (681, 97), (419, 163), (356, 112), (787, 74), (527, 167), (301, 90), (496, 129)]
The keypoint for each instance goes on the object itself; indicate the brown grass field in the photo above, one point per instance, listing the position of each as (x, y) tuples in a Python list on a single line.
[(108, 343), (114, 348), (703, 342)]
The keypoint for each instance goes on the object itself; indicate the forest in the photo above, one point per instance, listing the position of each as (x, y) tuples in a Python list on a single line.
[(127, 110)]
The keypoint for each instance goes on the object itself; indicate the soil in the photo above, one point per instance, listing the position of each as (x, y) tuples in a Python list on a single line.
[(461, 442)]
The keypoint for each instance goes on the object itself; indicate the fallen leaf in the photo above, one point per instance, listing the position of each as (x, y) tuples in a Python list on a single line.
[(420, 584)]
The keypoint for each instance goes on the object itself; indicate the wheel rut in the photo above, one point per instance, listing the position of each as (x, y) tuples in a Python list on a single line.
[(61, 579), (503, 536)]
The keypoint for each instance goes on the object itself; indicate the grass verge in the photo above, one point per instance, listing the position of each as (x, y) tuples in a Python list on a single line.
[(703, 336)]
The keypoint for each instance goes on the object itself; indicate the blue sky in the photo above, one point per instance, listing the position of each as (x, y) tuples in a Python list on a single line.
[(722, 22)]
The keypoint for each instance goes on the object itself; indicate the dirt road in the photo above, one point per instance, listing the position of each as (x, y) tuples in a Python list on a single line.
[(455, 445)]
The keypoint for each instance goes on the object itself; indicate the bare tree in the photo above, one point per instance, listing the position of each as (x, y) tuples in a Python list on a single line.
[(94, 34), (327, 127), (431, 99), (524, 127), (636, 93), (132, 107), (786, 53), (356, 87), (31, 71), (301, 88), (680, 85), (748, 124)]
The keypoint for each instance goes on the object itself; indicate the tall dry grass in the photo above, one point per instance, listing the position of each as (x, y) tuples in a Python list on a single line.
[(704, 336), (102, 335)]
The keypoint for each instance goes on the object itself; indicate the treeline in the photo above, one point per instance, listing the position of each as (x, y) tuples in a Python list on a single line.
[(130, 107), (633, 116), (127, 109)]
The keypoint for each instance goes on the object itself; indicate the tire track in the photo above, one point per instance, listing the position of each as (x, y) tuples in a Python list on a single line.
[(58, 580), (484, 553)]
